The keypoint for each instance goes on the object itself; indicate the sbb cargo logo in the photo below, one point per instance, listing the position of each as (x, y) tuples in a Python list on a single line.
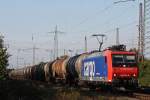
[(89, 68)]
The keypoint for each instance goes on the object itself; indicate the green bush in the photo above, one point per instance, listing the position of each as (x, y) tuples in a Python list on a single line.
[(3, 60), (144, 73)]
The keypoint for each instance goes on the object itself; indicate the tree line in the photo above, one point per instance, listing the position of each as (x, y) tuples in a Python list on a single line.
[(3, 59)]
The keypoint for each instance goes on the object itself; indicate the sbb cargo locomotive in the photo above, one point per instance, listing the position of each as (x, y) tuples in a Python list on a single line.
[(114, 66)]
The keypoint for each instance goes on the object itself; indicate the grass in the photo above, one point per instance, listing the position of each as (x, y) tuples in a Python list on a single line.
[(29, 90), (144, 73)]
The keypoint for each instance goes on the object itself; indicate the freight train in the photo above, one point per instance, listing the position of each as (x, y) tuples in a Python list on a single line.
[(113, 66)]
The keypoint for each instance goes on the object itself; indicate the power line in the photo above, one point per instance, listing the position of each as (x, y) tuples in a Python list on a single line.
[(115, 17), (93, 15), (56, 41), (121, 1), (120, 27)]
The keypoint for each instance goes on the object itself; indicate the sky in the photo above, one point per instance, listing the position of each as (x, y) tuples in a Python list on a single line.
[(22, 19)]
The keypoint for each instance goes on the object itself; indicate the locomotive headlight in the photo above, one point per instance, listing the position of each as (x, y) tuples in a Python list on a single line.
[(134, 75), (109, 80), (115, 75)]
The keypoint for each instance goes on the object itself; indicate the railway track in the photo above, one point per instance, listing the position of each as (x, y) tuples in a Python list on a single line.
[(143, 93), (137, 95), (141, 96)]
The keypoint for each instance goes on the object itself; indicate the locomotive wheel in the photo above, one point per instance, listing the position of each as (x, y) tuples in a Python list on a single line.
[(92, 87)]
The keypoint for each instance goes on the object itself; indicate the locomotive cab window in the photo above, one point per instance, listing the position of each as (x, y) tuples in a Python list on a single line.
[(123, 60), (130, 59), (118, 58)]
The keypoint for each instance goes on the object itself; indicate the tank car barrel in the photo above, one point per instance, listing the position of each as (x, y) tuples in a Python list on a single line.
[(71, 67), (59, 67)]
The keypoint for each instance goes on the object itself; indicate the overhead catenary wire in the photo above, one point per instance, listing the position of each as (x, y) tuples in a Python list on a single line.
[(112, 20), (93, 15), (121, 1), (123, 26), (102, 11)]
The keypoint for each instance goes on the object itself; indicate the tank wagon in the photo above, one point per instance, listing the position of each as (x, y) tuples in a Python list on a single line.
[(17, 74), (35, 72), (59, 68), (73, 68), (114, 66), (48, 71)]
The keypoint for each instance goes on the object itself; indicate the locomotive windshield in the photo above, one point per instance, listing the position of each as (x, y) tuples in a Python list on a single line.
[(123, 60)]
